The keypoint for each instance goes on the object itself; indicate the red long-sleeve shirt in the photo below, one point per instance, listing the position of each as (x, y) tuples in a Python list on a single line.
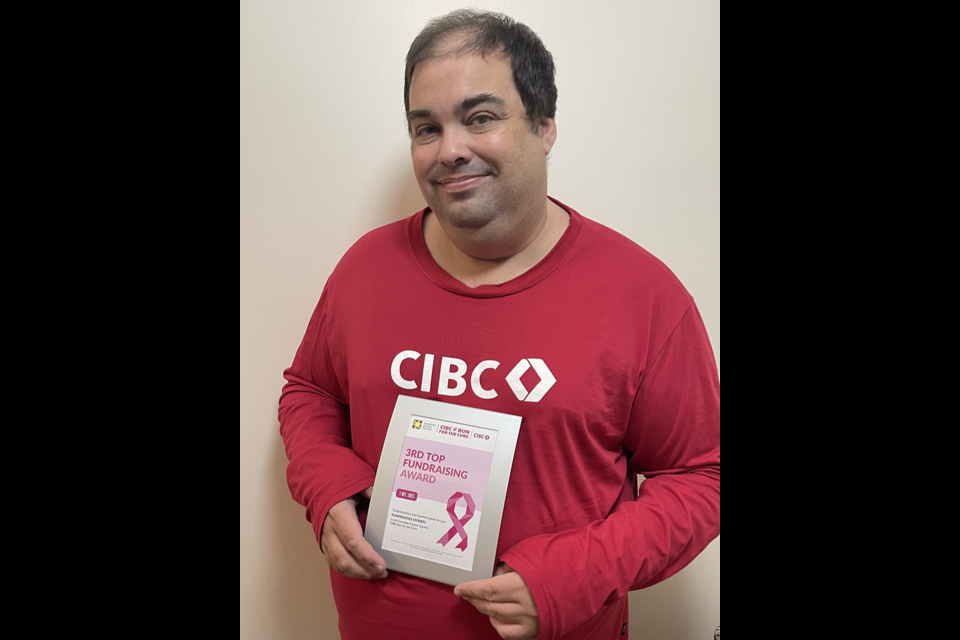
[(636, 391)]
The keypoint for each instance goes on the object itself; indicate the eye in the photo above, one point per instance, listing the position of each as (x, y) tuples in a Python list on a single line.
[(481, 119), (425, 130)]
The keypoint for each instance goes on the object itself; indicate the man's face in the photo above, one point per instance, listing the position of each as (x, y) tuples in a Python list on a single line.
[(478, 163)]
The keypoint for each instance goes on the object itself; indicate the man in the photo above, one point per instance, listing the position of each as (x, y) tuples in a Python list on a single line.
[(455, 304)]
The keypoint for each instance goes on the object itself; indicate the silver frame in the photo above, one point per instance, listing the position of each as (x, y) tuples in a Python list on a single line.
[(508, 427)]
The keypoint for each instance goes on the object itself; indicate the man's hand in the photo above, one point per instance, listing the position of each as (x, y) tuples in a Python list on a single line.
[(507, 600), (343, 544)]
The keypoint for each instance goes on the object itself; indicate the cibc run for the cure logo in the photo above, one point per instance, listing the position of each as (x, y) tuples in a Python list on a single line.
[(453, 377)]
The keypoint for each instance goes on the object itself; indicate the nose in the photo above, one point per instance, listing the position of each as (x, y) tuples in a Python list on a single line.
[(454, 148)]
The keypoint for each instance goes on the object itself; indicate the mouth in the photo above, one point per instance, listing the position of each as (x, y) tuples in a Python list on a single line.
[(461, 182)]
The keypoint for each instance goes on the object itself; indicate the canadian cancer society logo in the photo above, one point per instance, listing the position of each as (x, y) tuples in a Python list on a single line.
[(418, 424)]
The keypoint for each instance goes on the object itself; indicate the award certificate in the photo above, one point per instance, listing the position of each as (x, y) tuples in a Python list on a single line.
[(438, 498)]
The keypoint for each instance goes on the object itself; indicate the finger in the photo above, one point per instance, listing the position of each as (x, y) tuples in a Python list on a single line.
[(508, 587), (514, 631), (353, 541), (491, 590), (368, 493), (342, 561), (345, 526), (487, 589), (505, 612)]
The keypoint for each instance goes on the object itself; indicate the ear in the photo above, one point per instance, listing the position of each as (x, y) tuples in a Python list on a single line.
[(548, 133)]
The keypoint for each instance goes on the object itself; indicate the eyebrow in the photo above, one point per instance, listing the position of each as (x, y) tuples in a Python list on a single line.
[(467, 104), (477, 100)]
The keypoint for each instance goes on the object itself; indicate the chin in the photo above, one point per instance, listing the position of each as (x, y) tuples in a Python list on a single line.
[(464, 218), (463, 213)]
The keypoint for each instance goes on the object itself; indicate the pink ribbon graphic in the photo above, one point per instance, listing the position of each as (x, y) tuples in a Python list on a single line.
[(458, 523)]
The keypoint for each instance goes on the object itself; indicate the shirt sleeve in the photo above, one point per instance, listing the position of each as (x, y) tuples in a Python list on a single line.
[(674, 430), (315, 426)]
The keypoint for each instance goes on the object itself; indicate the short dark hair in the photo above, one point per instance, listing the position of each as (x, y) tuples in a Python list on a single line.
[(534, 73)]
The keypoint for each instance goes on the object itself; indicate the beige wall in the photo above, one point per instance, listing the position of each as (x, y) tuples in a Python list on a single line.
[(324, 158)]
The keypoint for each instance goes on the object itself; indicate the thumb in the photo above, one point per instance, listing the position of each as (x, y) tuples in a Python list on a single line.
[(471, 589)]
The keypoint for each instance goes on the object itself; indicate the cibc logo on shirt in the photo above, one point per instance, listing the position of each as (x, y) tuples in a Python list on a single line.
[(453, 377)]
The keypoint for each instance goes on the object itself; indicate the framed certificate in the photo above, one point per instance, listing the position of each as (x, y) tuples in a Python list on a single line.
[(438, 498)]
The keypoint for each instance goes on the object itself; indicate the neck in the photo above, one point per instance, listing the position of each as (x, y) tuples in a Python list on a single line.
[(479, 257)]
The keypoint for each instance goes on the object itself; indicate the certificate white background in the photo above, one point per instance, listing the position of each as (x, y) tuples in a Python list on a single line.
[(430, 507)]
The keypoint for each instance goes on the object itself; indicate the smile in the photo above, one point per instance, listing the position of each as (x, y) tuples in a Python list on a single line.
[(460, 183)]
